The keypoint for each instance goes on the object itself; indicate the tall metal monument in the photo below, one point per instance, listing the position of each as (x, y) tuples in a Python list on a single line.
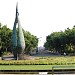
[(18, 44)]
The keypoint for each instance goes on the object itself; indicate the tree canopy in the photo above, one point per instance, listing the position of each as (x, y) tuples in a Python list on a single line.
[(31, 41), (63, 41)]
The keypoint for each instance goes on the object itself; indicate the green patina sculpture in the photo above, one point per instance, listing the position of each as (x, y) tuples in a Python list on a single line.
[(18, 46)]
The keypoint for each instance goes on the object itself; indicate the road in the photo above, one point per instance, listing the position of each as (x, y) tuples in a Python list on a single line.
[(39, 54), (45, 53)]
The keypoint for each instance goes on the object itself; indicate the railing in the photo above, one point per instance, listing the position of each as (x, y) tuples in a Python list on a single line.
[(63, 69), (25, 71)]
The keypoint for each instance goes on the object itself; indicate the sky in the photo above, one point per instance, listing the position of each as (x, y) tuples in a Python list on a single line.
[(39, 17)]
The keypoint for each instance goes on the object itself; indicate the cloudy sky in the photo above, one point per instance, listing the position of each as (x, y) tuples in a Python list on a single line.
[(39, 17)]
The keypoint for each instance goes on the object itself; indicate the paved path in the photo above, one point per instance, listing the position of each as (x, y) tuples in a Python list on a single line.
[(37, 74)]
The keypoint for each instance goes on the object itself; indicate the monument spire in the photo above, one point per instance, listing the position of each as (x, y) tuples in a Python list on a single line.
[(13, 37), (17, 7), (16, 18), (20, 43)]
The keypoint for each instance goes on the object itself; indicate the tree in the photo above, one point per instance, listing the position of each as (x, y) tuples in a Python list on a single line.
[(31, 41), (5, 34), (61, 41)]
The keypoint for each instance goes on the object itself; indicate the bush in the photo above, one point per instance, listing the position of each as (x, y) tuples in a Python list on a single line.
[(41, 61)]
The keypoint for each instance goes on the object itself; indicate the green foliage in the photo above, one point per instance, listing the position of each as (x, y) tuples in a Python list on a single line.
[(61, 41), (5, 39), (5, 34), (30, 40), (4, 53)]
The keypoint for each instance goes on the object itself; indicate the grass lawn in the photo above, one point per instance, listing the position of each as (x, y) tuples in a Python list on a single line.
[(35, 67)]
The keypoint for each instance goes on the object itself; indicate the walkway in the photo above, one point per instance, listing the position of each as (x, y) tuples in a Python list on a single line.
[(37, 74)]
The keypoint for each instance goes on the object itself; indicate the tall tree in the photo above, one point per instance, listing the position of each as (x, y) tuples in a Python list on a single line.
[(61, 41), (31, 41), (5, 39), (5, 34)]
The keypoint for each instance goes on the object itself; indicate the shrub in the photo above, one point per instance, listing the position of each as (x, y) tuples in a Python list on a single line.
[(41, 61)]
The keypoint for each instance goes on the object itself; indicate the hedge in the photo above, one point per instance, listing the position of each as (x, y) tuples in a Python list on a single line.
[(41, 61)]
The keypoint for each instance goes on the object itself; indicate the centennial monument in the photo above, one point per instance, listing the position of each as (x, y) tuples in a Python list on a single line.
[(18, 43)]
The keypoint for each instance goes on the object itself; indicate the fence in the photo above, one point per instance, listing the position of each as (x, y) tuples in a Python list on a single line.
[(63, 70)]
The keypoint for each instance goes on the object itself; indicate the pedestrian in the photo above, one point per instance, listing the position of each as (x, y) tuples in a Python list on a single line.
[(64, 54)]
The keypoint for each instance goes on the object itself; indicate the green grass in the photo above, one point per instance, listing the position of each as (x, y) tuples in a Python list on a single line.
[(34, 67), (41, 63)]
